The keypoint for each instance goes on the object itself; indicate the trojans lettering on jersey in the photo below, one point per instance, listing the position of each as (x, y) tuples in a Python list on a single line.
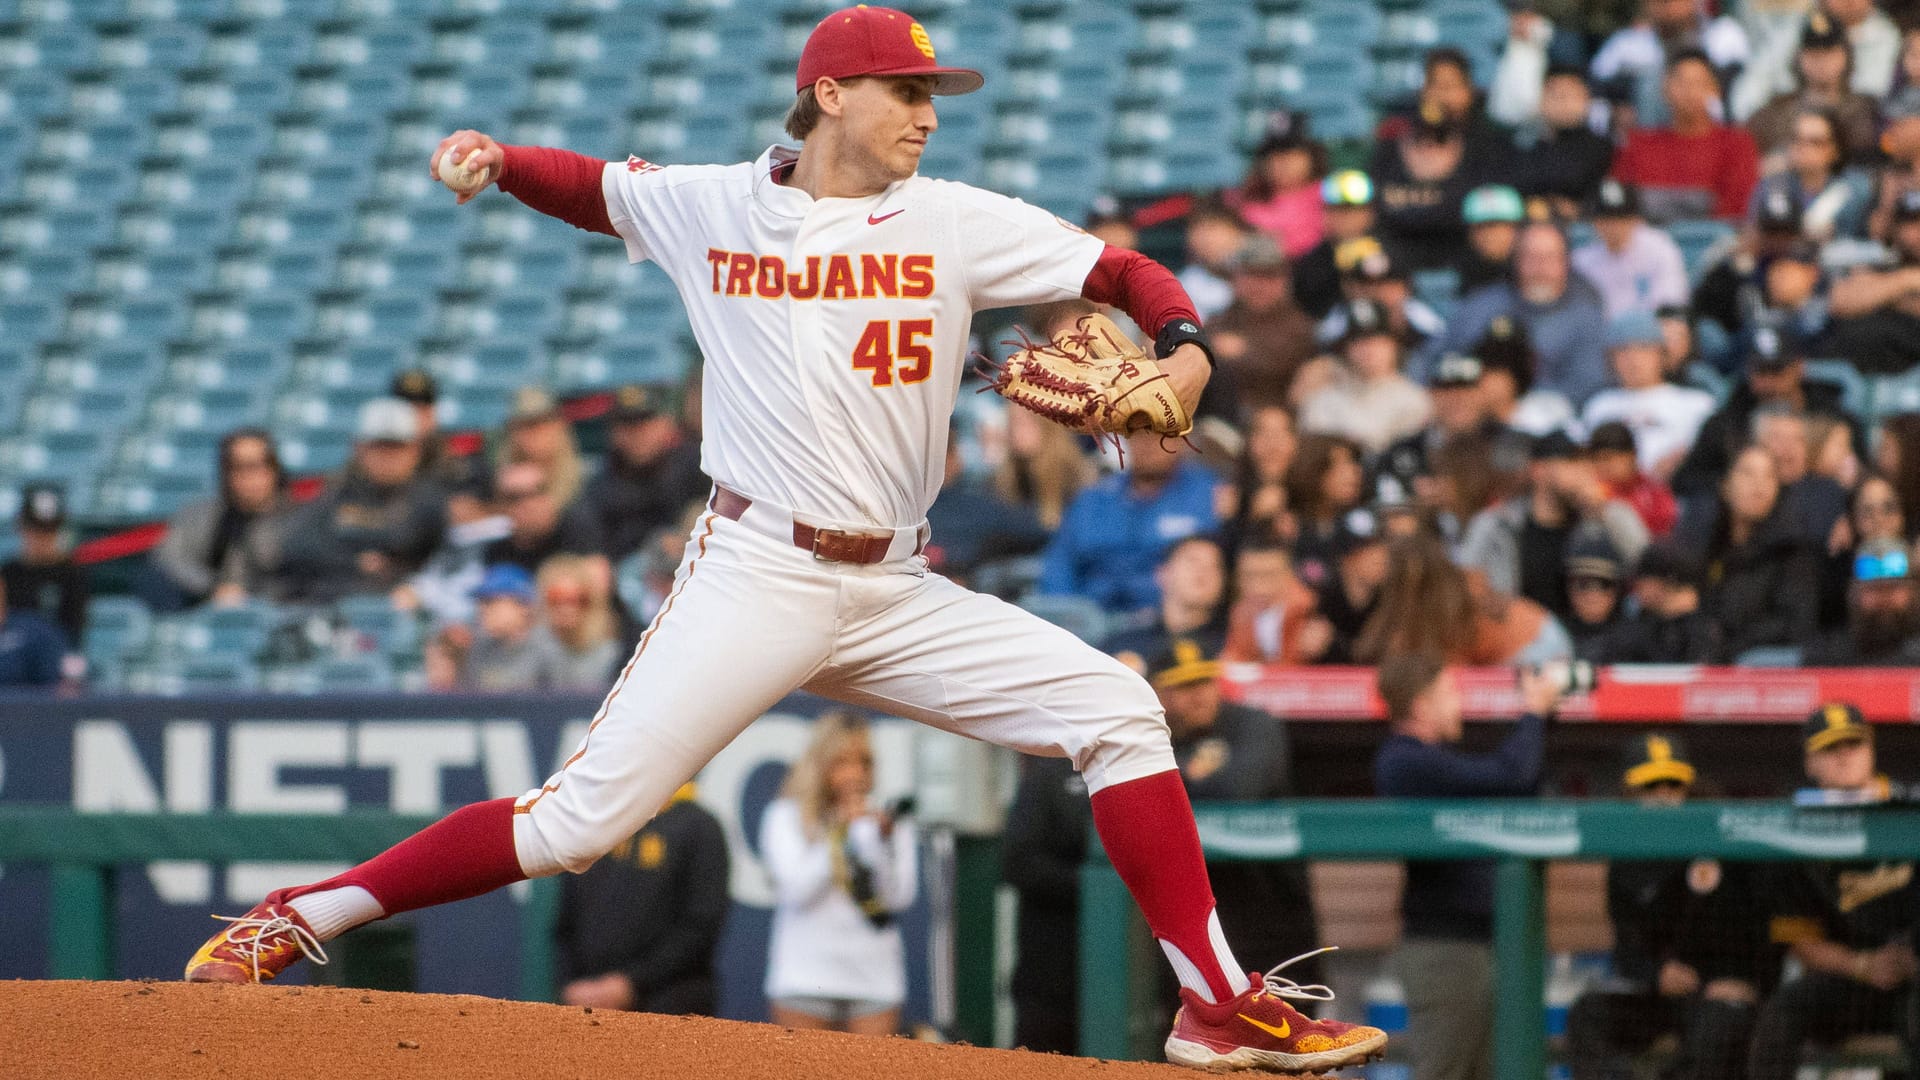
[(739, 273)]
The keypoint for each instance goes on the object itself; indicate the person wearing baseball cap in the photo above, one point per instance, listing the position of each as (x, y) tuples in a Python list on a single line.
[(1420, 180), (652, 470), (1673, 627), (1691, 959), (1347, 196), (1848, 923), (1596, 620), (538, 431), (1228, 751), (1368, 399), (1636, 267), (508, 652), (1493, 213), (1775, 373), (1562, 158), (1372, 270), (42, 577), (1665, 417), (1262, 338), (1823, 69)]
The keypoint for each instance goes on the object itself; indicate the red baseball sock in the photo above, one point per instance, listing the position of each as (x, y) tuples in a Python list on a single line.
[(1147, 828), (466, 853)]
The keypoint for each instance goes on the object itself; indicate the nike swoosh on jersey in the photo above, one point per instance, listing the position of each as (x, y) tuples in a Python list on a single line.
[(871, 220), (1285, 1029)]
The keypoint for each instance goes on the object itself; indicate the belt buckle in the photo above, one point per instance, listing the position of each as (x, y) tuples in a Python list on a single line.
[(818, 535)]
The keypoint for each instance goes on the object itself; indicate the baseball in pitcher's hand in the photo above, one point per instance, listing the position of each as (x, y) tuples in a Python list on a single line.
[(463, 143)]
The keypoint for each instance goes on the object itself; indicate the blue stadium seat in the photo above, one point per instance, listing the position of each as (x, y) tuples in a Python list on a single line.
[(1895, 395), (218, 408), (90, 410), (208, 674), (1697, 239), (316, 450), (349, 674), (56, 454), (1856, 396), (151, 495), (23, 321), (117, 629), (479, 408), (1076, 614), (388, 631)]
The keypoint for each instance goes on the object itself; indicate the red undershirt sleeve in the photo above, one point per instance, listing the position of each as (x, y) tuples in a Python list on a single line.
[(1145, 290), (558, 183)]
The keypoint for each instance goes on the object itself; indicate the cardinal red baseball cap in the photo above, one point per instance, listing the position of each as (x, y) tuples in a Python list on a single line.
[(866, 40)]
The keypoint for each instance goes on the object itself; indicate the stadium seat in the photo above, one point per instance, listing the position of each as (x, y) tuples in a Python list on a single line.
[(1697, 239), (316, 450), (1856, 396), (386, 629), (1894, 395), (117, 630), (1077, 614)]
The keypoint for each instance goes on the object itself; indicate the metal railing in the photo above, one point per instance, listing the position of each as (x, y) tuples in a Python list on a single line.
[(1521, 836)]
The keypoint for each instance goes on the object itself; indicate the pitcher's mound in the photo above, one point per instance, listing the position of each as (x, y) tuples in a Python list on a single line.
[(128, 1031)]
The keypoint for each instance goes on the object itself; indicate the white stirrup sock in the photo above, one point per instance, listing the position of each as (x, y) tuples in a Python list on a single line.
[(333, 912), (1190, 976)]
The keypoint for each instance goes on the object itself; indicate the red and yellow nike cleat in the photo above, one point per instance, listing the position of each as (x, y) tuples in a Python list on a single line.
[(1259, 1030), (255, 947)]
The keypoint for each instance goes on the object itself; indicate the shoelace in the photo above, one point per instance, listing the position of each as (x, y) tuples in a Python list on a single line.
[(251, 947), (1282, 987)]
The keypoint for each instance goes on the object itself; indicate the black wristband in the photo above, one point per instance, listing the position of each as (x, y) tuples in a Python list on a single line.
[(1181, 332)]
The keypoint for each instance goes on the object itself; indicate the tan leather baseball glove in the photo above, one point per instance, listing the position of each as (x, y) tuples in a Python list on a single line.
[(1094, 380)]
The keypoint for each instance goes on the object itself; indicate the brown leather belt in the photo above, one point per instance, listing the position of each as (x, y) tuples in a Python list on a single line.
[(827, 545)]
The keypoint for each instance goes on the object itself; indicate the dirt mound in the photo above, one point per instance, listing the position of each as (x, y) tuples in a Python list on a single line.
[(135, 1031)]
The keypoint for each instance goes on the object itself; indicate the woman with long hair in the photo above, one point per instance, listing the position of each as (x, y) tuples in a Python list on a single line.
[(842, 872), (1255, 504), (537, 431), (226, 549), (1896, 456), (1044, 467), (1428, 604), (1324, 481), (1757, 572), (578, 614)]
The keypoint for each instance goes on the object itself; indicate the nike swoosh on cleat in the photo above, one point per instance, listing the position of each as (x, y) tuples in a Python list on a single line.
[(1285, 1029), (871, 220)]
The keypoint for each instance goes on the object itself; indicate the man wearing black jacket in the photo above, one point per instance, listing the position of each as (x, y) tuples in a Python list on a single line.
[(1445, 960), (1776, 372), (638, 930), (1690, 952)]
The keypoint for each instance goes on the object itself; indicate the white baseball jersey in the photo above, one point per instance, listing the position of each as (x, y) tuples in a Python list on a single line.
[(835, 330)]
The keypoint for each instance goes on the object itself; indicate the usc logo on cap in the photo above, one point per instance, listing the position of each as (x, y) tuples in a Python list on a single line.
[(920, 40)]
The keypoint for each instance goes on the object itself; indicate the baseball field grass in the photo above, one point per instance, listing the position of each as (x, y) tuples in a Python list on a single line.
[(168, 1030)]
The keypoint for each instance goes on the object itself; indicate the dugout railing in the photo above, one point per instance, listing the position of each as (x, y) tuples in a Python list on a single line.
[(1521, 836)]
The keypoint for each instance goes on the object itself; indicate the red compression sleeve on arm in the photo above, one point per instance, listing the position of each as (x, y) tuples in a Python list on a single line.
[(558, 183), (1142, 288)]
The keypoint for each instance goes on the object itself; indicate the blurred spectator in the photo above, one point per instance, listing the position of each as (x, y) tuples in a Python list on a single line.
[(1896, 456), (1833, 449), (225, 549), (1472, 472), (675, 871), (1694, 166), (1445, 958), (541, 525), (1115, 531), (1507, 364), (1044, 469), (1594, 20), (1849, 924), (1776, 372), (1596, 620), (1367, 399), (1638, 56), (843, 870), (1493, 213), (578, 614), (1347, 196), (1110, 224), (1690, 951), (538, 432), (32, 648), (1883, 621), (1733, 288), (1664, 418), (1671, 626), (440, 461), (444, 586), (1214, 235), (1873, 40), (1347, 600), (1521, 545), (1616, 460), (43, 577), (652, 471), (1447, 84), (1460, 409), (1421, 178), (506, 650), (1281, 194), (1042, 853), (1273, 619), (1764, 587), (1874, 515), (1431, 606), (1562, 158), (376, 524), (1230, 752), (1876, 310), (1255, 504), (1325, 481), (646, 577), (1370, 271), (1262, 338), (1813, 504), (1563, 316), (1835, 198), (1192, 578), (1532, 49), (1636, 267), (1821, 70), (1903, 100), (973, 523), (1676, 328)]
